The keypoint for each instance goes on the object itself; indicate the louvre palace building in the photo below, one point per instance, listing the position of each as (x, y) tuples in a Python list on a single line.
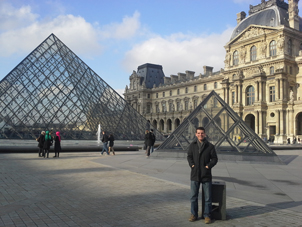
[(261, 79)]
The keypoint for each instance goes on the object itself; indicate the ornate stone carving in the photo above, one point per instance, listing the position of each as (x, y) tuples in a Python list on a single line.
[(280, 43), (252, 32), (227, 61), (242, 54), (263, 48)]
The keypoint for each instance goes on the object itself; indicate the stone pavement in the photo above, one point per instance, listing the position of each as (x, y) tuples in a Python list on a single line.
[(128, 189)]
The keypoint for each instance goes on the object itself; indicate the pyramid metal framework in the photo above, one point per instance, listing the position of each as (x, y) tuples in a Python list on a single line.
[(224, 128), (53, 89)]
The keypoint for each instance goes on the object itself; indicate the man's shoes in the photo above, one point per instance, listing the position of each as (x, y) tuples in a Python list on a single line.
[(192, 218), (207, 220)]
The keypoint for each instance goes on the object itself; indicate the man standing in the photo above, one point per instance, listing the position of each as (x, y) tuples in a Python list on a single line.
[(105, 143), (202, 158)]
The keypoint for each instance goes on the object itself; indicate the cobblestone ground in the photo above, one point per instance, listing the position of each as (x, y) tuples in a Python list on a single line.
[(76, 191)]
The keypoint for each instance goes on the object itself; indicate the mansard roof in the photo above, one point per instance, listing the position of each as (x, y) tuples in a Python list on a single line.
[(151, 74), (273, 13)]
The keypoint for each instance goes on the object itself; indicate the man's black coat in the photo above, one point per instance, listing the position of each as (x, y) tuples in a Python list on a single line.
[(207, 157)]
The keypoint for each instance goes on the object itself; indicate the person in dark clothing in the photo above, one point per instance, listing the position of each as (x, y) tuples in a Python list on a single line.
[(105, 143), (202, 158), (47, 143), (146, 141), (41, 140), (151, 141), (111, 143), (57, 145)]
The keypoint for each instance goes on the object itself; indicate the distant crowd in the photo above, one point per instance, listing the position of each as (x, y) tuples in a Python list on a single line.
[(45, 141)]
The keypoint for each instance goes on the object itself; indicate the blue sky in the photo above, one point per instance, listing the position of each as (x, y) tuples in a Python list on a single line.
[(114, 37)]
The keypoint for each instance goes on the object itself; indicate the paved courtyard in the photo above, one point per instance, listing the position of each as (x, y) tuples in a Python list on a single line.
[(128, 189)]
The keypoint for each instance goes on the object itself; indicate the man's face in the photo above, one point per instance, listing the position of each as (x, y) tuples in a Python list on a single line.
[(200, 134)]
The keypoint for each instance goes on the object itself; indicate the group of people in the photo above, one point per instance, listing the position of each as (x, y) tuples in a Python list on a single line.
[(105, 141), (45, 141), (149, 142)]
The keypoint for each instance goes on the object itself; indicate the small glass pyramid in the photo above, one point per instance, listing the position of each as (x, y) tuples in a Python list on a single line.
[(53, 89), (224, 128)]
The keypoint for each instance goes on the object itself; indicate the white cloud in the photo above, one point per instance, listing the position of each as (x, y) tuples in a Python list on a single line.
[(12, 18), (124, 30), (22, 32), (180, 52), (75, 32)]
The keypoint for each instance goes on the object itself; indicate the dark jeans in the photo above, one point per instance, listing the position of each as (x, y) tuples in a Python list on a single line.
[(46, 152), (207, 188), (148, 150), (41, 152), (105, 148)]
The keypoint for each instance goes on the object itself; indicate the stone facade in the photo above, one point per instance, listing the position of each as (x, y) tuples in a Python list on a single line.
[(260, 81)]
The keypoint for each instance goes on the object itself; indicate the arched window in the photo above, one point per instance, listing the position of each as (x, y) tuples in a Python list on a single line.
[(271, 70), (250, 95), (215, 85), (195, 88), (235, 58), (253, 54), (205, 87), (272, 48), (234, 77), (290, 47)]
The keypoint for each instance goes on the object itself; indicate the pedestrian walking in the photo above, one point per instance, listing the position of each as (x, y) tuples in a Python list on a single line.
[(145, 140), (152, 140), (105, 143), (41, 140), (57, 145), (47, 143), (111, 143), (202, 158)]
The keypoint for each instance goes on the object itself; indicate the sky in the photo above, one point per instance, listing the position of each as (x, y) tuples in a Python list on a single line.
[(114, 37)]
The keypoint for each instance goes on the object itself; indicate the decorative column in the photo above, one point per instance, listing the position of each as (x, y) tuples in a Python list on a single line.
[(260, 123), (282, 122), (282, 90), (278, 122), (257, 122), (257, 91)]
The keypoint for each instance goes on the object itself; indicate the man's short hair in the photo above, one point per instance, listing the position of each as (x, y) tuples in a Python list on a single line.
[(201, 128)]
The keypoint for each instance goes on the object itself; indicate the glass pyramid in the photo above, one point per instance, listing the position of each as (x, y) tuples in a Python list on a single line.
[(53, 89), (224, 128)]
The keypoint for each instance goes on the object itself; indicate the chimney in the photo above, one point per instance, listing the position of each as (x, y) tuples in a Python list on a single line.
[(208, 70), (293, 12), (240, 16)]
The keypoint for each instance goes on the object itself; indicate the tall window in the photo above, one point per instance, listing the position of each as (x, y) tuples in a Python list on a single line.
[(156, 95), (234, 77), (272, 48), (157, 109), (205, 87), (163, 107), (186, 105), (290, 70), (163, 94), (195, 103), (253, 54), (178, 106), (195, 88), (235, 58), (250, 95), (272, 70), (178, 91), (233, 97), (272, 94), (170, 107), (290, 47), (215, 85), (148, 96), (186, 90), (148, 108), (170, 93)]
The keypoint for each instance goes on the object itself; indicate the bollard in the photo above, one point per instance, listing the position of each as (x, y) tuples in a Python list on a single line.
[(218, 200)]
